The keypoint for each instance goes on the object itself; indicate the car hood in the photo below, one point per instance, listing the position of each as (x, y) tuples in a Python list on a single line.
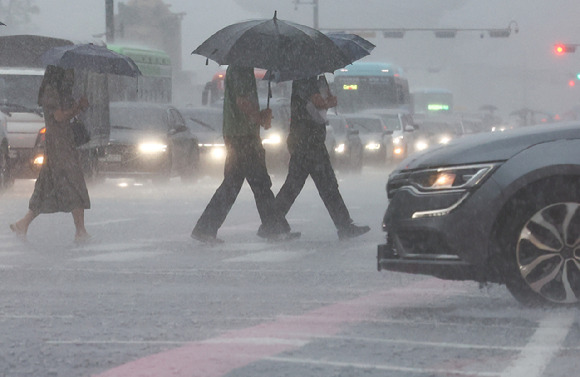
[(489, 146), (133, 137), (209, 137), (372, 136)]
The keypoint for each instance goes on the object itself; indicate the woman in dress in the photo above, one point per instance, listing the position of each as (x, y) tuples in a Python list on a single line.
[(60, 186)]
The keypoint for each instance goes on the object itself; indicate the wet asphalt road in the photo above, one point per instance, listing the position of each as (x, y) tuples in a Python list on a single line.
[(143, 299)]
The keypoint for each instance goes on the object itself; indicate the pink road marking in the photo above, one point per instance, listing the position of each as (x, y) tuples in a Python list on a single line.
[(217, 356)]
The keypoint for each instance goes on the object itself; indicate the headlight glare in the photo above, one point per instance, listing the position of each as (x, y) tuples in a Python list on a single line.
[(340, 148), (373, 146), (461, 177), (272, 139), (152, 148)]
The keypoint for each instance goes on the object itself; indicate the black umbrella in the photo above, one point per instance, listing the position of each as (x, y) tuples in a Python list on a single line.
[(353, 46), (92, 58), (275, 45)]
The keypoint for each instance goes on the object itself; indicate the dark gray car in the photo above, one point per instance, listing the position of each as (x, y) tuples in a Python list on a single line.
[(148, 140), (493, 207)]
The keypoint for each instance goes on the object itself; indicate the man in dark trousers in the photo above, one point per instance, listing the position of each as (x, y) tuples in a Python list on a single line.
[(308, 155), (246, 160)]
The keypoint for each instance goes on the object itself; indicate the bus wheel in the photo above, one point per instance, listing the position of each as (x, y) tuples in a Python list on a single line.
[(191, 168)]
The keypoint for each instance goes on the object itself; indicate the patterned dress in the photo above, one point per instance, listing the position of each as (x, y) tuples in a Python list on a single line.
[(60, 186)]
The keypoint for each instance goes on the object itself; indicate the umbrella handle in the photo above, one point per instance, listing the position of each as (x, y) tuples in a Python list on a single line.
[(269, 94)]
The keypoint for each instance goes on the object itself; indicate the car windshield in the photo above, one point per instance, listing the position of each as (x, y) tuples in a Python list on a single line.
[(204, 121), (366, 125), (337, 125), (392, 122), (437, 128), (138, 118), (19, 92)]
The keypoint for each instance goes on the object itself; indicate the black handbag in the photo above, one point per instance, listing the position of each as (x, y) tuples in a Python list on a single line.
[(81, 135)]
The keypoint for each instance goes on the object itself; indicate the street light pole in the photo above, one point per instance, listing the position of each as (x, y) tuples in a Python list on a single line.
[(110, 20), (314, 4)]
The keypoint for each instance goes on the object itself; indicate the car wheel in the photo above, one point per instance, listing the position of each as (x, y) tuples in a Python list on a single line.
[(543, 249), (191, 168), (163, 176), (357, 161), (90, 165)]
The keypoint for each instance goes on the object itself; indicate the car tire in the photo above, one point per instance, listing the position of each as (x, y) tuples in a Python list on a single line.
[(357, 161), (191, 170), (164, 175), (542, 267), (90, 166)]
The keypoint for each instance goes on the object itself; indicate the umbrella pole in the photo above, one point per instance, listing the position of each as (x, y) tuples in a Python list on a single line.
[(269, 93)]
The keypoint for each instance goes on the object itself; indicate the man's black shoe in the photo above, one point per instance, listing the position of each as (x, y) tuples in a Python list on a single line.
[(205, 237), (351, 231)]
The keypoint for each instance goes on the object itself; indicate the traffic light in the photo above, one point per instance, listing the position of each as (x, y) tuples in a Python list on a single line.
[(562, 48)]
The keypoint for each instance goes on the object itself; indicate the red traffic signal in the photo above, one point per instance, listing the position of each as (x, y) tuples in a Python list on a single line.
[(562, 48)]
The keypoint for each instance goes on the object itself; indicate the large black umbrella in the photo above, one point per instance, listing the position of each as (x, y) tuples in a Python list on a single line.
[(90, 57), (275, 45), (353, 46)]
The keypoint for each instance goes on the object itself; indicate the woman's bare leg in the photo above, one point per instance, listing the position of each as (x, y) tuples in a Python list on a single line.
[(79, 220), (21, 226)]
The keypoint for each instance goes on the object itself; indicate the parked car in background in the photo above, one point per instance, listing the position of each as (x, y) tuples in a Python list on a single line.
[(501, 207), (348, 148), (6, 177), (206, 124), (437, 130), (375, 136), (23, 126), (148, 140), (401, 123)]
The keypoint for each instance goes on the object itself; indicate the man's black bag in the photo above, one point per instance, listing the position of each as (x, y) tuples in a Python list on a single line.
[(80, 132)]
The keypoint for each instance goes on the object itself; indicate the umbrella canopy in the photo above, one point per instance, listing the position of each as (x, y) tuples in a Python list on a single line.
[(275, 45), (354, 47), (92, 58)]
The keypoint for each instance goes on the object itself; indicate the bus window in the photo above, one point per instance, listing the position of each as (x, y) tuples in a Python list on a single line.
[(364, 85)]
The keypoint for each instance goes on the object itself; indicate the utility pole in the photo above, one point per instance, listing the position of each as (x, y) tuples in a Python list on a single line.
[(110, 20), (314, 4)]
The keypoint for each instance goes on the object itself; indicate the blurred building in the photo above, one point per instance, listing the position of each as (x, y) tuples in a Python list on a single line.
[(150, 23)]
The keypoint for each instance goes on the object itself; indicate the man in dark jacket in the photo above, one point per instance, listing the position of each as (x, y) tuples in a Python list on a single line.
[(308, 155), (246, 160)]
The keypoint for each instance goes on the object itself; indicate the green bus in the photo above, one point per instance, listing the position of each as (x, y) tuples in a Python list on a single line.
[(156, 83)]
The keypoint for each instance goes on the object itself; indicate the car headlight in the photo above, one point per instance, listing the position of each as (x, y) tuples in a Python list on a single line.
[(373, 146), (340, 148), (397, 140), (218, 152), (444, 139), (272, 139), (152, 148), (453, 178), (421, 145)]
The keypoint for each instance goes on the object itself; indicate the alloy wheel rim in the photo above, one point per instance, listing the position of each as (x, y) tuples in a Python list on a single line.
[(548, 252)]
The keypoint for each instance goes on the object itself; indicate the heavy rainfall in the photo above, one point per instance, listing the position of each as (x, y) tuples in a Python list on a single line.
[(450, 127)]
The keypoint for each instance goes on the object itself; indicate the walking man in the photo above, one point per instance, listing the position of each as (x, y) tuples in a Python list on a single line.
[(246, 160), (310, 100)]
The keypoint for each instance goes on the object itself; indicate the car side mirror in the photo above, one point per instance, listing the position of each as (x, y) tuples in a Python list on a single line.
[(409, 128), (352, 132), (177, 129), (388, 132)]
